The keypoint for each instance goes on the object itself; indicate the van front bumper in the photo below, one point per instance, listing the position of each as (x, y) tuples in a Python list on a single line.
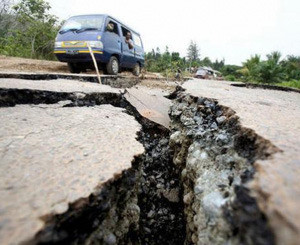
[(75, 55)]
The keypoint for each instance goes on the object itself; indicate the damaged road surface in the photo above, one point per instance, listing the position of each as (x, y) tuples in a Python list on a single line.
[(239, 150), (53, 155), (81, 163)]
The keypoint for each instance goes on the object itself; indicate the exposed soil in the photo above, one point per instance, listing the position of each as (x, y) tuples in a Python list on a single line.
[(17, 64), (31, 65), (160, 84)]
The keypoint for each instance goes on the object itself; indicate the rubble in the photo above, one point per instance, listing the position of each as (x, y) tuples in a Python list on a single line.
[(218, 206)]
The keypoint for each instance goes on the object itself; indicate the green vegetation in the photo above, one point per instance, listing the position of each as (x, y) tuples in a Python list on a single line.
[(27, 29), (273, 70), (291, 84), (230, 78), (169, 63)]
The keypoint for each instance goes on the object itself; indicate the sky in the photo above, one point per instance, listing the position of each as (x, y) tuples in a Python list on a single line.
[(229, 29)]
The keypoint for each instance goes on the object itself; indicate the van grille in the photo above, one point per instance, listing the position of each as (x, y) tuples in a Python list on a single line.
[(74, 44)]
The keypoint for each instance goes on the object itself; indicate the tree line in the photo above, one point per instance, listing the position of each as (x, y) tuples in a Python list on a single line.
[(273, 69)]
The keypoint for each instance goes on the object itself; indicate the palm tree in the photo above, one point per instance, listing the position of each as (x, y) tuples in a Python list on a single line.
[(291, 67), (271, 71), (250, 68)]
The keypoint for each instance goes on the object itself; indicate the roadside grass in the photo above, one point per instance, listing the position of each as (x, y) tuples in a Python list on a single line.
[(290, 84)]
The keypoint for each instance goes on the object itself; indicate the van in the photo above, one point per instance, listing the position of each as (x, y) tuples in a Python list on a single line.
[(107, 38)]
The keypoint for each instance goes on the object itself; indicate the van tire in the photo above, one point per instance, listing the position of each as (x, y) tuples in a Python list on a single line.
[(73, 68), (112, 66), (136, 69)]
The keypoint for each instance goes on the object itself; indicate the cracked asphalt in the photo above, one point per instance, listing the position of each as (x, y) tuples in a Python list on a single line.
[(274, 115), (57, 85), (52, 156)]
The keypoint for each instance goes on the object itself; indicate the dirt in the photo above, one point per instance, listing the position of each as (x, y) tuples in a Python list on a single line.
[(168, 86), (17, 64), (31, 65)]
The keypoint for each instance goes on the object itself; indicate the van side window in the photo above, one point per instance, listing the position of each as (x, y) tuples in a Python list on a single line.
[(137, 40), (112, 27), (124, 31)]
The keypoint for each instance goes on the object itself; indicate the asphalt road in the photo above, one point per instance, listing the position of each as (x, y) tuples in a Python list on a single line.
[(53, 155)]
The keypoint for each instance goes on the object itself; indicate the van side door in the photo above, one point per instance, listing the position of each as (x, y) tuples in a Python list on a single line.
[(111, 40), (128, 54)]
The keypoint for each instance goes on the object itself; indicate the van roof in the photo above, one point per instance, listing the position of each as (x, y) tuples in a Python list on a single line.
[(106, 15)]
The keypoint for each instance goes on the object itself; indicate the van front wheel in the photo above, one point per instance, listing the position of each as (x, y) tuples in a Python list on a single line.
[(74, 68), (136, 70), (112, 66)]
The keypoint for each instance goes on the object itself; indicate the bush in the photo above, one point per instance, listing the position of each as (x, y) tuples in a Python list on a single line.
[(230, 78)]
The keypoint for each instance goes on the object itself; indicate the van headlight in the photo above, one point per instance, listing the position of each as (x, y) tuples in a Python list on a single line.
[(58, 44), (96, 44)]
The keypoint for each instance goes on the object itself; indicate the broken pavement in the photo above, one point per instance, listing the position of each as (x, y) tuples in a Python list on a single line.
[(131, 178)]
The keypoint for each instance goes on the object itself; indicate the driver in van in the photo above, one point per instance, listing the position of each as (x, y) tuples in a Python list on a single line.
[(128, 40)]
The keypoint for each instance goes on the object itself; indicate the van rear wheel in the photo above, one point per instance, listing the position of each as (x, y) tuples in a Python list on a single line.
[(112, 66), (136, 69), (74, 68)]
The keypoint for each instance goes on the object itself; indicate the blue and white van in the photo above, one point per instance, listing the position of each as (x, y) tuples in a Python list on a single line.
[(107, 38)]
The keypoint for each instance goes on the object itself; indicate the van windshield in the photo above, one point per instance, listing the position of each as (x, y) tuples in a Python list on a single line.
[(82, 23)]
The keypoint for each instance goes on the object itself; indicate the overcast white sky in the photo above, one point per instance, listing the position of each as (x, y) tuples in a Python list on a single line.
[(230, 29)]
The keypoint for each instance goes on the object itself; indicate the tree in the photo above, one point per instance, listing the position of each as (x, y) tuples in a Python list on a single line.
[(175, 56), (206, 62), (270, 71), (39, 25), (231, 70), (7, 20), (218, 65), (158, 54), (193, 52), (250, 68), (274, 56), (266, 71), (35, 33), (165, 62), (291, 67)]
